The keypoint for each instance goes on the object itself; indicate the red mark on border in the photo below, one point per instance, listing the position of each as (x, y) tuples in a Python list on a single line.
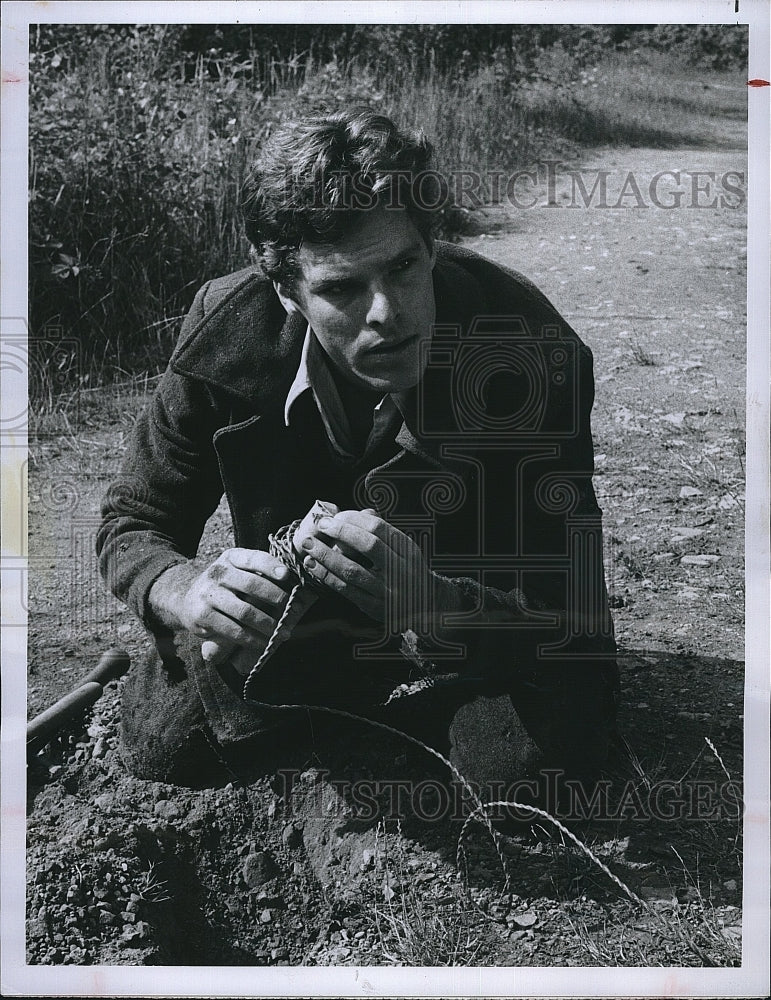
[(10, 78), (759, 83)]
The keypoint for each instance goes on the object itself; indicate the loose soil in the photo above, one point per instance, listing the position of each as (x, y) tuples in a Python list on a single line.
[(122, 871)]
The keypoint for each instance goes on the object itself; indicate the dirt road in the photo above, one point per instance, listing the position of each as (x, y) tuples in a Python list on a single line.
[(659, 294)]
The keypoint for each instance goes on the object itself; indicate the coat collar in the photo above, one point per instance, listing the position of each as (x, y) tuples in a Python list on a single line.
[(248, 347)]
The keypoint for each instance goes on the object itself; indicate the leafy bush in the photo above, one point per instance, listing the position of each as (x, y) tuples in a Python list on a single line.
[(133, 195)]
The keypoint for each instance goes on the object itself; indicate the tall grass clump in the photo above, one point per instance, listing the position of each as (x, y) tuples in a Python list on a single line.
[(133, 196)]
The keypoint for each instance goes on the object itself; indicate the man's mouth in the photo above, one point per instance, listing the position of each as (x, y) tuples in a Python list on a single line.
[(393, 347)]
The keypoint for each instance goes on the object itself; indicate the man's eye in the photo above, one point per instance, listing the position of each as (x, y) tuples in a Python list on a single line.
[(340, 288), (404, 265)]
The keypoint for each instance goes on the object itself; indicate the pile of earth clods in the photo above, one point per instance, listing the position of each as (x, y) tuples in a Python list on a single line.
[(282, 870)]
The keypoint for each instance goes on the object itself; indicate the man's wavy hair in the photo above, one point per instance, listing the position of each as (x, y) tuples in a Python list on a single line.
[(315, 176)]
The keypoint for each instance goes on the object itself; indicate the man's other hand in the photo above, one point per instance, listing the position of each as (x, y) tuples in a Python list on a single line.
[(378, 568)]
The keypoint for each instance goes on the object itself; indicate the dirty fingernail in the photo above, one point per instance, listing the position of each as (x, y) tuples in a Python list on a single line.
[(309, 563), (325, 522), (280, 572), (308, 543)]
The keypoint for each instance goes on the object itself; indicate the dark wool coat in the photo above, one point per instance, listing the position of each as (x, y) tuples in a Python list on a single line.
[(491, 473)]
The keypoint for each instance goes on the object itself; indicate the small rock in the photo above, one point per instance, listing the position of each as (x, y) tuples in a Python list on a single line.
[(291, 835), (166, 809), (266, 916), (106, 919), (133, 937), (367, 858), (258, 869), (730, 884), (37, 928), (682, 532), (158, 791), (702, 560), (99, 749), (526, 919), (690, 491)]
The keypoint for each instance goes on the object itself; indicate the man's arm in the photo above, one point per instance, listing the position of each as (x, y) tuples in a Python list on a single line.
[(155, 512)]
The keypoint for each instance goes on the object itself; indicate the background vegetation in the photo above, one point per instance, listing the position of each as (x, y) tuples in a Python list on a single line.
[(140, 137)]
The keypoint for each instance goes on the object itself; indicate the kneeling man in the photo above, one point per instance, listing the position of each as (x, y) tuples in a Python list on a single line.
[(401, 429)]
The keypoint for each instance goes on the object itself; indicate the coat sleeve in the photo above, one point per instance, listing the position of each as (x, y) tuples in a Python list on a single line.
[(154, 513)]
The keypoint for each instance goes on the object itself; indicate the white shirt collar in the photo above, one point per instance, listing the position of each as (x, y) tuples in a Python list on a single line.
[(313, 375)]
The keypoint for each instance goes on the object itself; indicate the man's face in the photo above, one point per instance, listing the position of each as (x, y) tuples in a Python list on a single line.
[(369, 299)]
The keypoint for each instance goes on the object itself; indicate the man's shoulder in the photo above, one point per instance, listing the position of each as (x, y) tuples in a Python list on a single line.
[(473, 282), (247, 282), (237, 334), (492, 278)]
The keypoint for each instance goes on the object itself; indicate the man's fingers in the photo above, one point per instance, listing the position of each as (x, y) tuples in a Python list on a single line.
[(216, 651), (237, 620), (257, 561), (370, 603), (357, 539), (333, 568), (255, 589), (375, 525)]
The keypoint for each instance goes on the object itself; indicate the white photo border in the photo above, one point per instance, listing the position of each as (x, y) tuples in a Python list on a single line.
[(752, 978)]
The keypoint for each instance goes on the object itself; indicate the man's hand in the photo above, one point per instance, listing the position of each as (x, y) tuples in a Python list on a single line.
[(236, 600), (378, 568)]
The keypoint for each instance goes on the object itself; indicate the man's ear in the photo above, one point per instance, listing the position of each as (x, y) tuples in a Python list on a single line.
[(285, 297)]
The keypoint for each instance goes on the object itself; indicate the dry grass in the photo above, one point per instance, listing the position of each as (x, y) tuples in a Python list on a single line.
[(419, 928)]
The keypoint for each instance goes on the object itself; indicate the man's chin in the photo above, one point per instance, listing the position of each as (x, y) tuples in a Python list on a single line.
[(394, 382), (399, 378)]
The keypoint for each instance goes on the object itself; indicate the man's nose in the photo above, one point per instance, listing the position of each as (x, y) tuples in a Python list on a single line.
[(383, 309)]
